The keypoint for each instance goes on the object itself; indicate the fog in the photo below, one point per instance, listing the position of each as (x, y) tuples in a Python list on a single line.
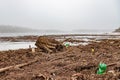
[(61, 14)]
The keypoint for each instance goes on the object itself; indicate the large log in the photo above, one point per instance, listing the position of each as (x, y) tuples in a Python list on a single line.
[(48, 45)]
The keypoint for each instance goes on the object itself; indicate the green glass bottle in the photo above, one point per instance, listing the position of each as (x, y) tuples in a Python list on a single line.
[(102, 68)]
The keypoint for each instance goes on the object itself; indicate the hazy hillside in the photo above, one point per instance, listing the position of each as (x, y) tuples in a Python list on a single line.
[(117, 30), (12, 29)]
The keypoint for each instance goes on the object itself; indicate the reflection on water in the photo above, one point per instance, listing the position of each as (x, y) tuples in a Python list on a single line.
[(15, 45)]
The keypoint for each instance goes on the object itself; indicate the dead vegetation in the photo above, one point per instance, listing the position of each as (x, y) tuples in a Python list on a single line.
[(73, 63)]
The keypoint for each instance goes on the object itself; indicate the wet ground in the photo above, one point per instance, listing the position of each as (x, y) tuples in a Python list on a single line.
[(73, 63)]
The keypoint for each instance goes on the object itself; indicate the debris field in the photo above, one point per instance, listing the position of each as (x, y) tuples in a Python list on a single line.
[(64, 63)]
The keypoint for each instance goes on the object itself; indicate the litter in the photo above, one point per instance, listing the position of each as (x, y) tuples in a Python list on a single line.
[(102, 68)]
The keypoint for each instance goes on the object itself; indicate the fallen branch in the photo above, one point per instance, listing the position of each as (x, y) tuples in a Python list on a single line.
[(5, 69), (17, 66), (111, 64)]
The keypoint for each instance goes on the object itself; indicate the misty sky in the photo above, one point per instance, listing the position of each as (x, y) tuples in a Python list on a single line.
[(61, 14)]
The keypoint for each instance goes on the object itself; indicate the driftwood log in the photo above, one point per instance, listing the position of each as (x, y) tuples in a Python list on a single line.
[(48, 45), (17, 66)]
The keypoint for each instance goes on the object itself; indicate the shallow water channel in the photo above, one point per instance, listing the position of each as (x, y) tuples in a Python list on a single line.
[(15, 45)]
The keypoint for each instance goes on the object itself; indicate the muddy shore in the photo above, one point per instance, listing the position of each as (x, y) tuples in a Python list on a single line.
[(77, 36), (73, 63), (19, 38)]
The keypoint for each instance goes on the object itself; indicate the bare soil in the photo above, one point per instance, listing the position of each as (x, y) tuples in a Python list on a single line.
[(73, 63)]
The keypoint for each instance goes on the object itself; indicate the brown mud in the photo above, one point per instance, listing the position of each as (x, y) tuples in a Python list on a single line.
[(19, 38), (73, 63)]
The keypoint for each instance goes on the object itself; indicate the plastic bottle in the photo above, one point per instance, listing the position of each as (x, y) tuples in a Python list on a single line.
[(92, 50), (102, 68), (67, 45)]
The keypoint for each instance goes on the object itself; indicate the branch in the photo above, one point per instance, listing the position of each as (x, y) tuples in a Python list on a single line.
[(17, 66)]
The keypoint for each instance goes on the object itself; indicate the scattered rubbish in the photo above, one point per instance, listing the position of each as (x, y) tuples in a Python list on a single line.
[(63, 65), (67, 44), (93, 50), (33, 50), (102, 68)]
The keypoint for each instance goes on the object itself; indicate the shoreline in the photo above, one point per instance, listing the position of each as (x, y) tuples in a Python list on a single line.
[(74, 61), (14, 43), (33, 38)]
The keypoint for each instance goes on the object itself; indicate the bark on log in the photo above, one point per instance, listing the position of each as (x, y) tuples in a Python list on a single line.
[(48, 45)]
